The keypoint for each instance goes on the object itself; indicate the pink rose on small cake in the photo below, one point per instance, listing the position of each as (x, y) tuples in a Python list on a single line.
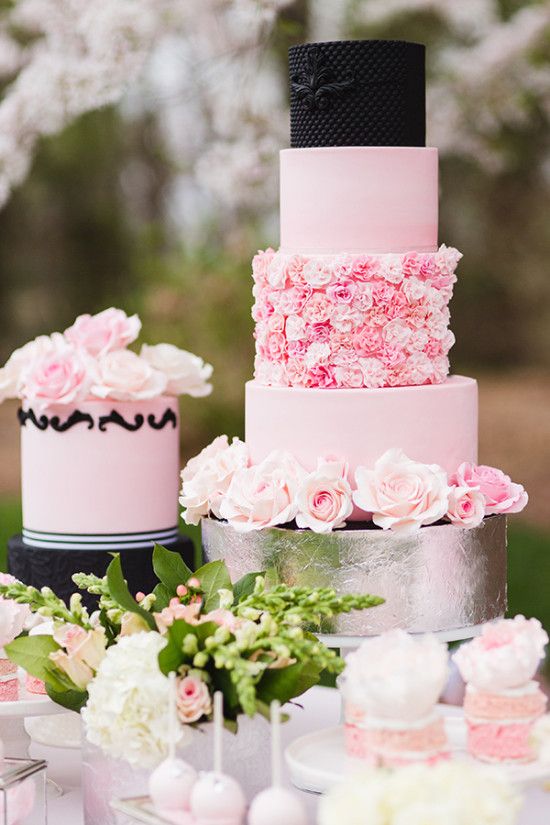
[(62, 375), (107, 331), (502, 701), (390, 687), (193, 699), (501, 494), (324, 500), (124, 376), (402, 494)]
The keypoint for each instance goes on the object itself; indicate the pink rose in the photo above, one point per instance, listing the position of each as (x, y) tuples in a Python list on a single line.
[(317, 354), (418, 341), (427, 266), (293, 300), (505, 656), (392, 268), (275, 346), (294, 267), (501, 494), (396, 333), (264, 495), (365, 268), (319, 333), (402, 494), (382, 293), (318, 309), (466, 506), (446, 259), (107, 331), (322, 377), (207, 476), (342, 292), (296, 349), (344, 356), (363, 297), (61, 376), (193, 699), (367, 340), (349, 376), (324, 499), (345, 318), (374, 372), (260, 265), (20, 361), (414, 289), (418, 369), (295, 328), (342, 267), (411, 264), (317, 272), (276, 322), (185, 372), (392, 356), (124, 376), (296, 372)]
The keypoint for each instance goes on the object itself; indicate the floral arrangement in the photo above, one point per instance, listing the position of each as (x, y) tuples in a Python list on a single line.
[(449, 793), (398, 493), (339, 321), (91, 360), (243, 639)]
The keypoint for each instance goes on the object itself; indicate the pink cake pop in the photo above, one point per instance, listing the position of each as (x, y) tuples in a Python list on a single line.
[(217, 799), (276, 805), (171, 782)]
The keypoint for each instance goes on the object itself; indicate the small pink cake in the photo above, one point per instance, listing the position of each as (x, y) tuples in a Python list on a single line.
[(390, 688), (13, 618), (502, 702)]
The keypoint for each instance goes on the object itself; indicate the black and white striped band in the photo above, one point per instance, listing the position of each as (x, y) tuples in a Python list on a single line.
[(99, 541)]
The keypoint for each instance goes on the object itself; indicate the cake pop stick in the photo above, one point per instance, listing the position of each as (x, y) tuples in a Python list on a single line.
[(276, 804), (171, 782)]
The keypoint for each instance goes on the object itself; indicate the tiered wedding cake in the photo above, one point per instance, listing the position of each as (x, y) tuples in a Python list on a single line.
[(352, 418)]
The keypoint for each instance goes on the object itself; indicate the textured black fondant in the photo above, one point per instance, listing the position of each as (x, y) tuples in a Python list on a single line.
[(357, 93), (53, 568)]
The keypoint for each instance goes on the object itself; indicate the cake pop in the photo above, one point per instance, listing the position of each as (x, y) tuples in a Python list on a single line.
[(217, 799), (276, 805), (171, 782)]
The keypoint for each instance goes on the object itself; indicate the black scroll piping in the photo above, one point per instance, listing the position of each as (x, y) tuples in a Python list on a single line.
[(317, 84), (76, 417), (29, 415), (169, 417), (116, 418)]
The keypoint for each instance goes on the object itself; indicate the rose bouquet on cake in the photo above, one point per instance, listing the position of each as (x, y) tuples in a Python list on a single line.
[(91, 360), (397, 494), (245, 639)]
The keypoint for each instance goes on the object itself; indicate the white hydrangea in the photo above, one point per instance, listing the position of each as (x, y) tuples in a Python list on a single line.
[(127, 711), (450, 793)]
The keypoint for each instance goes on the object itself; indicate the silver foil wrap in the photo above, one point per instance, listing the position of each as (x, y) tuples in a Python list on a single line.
[(441, 579)]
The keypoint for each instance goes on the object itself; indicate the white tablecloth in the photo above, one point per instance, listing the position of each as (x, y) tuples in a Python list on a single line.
[(321, 708)]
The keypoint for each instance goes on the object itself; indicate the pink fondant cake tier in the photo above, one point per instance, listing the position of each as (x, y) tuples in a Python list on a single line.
[(432, 424), (108, 481), (359, 199)]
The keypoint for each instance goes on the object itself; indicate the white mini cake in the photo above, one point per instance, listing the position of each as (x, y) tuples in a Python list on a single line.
[(390, 687)]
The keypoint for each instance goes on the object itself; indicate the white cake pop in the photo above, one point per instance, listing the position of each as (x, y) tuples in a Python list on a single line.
[(276, 805), (171, 782), (217, 799)]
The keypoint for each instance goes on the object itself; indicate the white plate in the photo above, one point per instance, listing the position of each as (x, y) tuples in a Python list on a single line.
[(63, 731), (319, 760), (28, 704)]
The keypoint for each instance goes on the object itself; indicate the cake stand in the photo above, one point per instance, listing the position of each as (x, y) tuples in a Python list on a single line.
[(319, 760)]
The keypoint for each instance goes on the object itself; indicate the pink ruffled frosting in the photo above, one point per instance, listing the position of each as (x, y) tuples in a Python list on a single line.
[(347, 321)]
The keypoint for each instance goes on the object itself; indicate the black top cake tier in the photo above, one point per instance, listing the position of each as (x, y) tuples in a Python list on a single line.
[(357, 93)]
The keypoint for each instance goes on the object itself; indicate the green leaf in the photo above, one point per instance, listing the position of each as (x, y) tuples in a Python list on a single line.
[(172, 657), (169, 568), (120, 593), (70, 699), (287, 683), (245, 586), (213, 576), (32, 654), (162, 597)]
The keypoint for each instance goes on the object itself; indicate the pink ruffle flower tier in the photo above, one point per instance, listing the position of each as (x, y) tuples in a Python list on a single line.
[(343, 321)]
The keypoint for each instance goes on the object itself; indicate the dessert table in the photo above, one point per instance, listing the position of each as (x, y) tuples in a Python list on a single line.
[(321, 707)]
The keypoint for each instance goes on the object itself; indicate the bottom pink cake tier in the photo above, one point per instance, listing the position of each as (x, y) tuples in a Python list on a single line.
[(393, 743), (499, 724)]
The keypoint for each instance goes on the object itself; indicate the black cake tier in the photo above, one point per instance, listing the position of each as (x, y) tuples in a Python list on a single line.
[(357, 93), (53, 568)]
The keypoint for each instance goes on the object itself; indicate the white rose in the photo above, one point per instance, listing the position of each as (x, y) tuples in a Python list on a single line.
[(402, 494), (185, 373), (124, 376), (264, 495), (207, 477), (324, 499)]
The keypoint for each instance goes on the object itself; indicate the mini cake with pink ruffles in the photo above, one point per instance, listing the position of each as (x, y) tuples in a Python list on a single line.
[(502, 701), (13, 618), (390, 688)]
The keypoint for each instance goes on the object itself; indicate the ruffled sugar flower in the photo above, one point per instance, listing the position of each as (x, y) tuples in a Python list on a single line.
[(324, 499), (83, 652), (14, 617), (449, 793), (501, 494), (396, 675), (264, 495), (193, 699), (124, 376), (466, 506), (186, 373), (207, 476), (402, 494), (506, 655), (60, 374), (105, 332), (126, 711)]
